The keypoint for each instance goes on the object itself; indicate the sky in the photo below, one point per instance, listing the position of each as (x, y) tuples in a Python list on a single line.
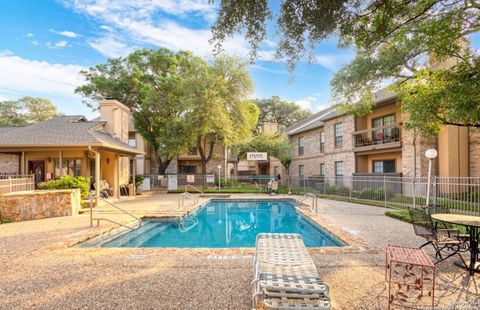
[(44, 44)]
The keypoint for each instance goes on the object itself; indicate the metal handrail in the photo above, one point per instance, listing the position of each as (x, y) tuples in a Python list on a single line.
[(192, 187), (181, 200), (112, 221), (306, 196), (181, 225)]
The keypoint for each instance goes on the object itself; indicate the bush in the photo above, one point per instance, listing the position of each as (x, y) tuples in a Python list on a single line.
[(69, 182), (338, 190), (372, 194), (139, 181)]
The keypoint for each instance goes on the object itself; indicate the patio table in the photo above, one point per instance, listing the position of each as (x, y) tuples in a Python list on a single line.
[(473, 226)]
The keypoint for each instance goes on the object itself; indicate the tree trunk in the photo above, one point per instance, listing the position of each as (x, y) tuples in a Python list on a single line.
[(205, 155), (163, 165), (154, 163)]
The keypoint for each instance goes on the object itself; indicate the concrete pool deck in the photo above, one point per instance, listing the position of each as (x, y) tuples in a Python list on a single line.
[(41, 270)]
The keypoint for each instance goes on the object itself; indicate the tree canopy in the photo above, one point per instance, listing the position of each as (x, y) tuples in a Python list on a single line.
[(282, 112), (26, 110), (153, 84), (418, 46)]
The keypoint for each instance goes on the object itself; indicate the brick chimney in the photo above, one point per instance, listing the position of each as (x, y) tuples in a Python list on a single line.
[(116, 115)]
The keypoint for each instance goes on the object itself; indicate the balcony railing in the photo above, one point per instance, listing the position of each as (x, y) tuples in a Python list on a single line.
[(377, 136)]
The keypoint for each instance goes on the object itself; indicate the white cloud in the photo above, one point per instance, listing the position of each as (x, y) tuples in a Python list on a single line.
[(24, 76), (30, 34), (134, 22), (59, 44), (105, 27), (69, 34), (333, 62), (35, 42), (304, 104), (110, 47)]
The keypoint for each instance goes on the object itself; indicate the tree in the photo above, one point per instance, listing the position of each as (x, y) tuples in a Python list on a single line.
[(404, 42), (38, 109), (26, 110), (277, 110), (10, 114), (275, 144), (219, 111), (153, 84)]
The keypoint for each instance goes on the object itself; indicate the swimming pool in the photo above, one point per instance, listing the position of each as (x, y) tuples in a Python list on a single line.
[(226, 224)]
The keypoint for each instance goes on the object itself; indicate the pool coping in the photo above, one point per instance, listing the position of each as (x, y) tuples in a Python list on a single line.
[(352, 244)]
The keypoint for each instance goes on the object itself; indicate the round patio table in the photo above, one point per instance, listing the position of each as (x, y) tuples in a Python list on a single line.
[(473, 226)]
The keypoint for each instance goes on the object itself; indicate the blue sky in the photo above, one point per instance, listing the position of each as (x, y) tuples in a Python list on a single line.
[(45, 43)]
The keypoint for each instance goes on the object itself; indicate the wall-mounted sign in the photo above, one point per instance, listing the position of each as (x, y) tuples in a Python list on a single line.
[(190, 178), (257, 156), (172, 182), (210, 179)]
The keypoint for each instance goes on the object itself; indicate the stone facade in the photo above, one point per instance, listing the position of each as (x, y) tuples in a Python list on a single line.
[(33, 205), (9, 164), (313, 158)]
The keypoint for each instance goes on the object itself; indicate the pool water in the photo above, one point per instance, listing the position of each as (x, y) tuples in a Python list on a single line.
[(226, 224)]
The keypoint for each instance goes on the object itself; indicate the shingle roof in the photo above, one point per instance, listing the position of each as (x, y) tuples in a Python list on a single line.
[(62, 130), (317, 120)]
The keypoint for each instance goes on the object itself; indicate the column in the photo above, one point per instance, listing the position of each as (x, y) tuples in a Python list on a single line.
[(60, 163), (97, 176), (22, 164), (116, 176), (134, 164)]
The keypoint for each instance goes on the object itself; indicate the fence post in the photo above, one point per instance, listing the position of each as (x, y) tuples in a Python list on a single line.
[(351, 185), (413, 193), (385, 189), (435, 180)]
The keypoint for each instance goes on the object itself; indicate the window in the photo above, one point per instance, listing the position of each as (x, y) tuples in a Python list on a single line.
[(338, 131), (339, 168), (301, 170), (132, 141), (339, 173), (71, 167), (380, 135), (322, 142), (383, 166), (301, 146), (322, 169)]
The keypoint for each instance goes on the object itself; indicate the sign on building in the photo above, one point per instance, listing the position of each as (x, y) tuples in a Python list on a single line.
[(210, 179), (257, 156), (190, 178), (172, 182)]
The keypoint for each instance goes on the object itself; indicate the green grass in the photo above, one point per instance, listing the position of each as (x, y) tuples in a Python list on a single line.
[(401, 215)]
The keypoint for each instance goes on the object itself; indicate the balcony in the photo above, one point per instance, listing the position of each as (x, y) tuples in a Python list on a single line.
[(383, 137)]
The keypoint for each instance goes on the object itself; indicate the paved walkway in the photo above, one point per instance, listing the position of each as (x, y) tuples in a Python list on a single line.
[(40, 271)]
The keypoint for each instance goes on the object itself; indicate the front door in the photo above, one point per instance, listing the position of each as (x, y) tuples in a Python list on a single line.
[(37, 168)]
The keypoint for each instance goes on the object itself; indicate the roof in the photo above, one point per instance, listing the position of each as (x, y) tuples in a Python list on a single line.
[(73, 130), (317, 120)]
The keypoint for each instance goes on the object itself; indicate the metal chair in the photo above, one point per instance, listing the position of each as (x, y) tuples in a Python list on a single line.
[(445, 227), (441, 241)]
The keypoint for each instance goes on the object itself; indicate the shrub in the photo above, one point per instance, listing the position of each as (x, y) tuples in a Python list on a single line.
[(338, 190), (69, 182), (139, 181)]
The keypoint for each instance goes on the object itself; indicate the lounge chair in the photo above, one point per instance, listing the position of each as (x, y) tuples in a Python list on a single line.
[(285, 275)]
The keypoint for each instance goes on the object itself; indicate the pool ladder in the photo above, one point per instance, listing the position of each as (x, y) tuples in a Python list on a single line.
[(98, 219), (181, 200), (314, 206)]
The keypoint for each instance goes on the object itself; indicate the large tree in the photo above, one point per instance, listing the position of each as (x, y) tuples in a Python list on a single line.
[(153, 84), (406, 43), (26, 110), (220, 113), (280, 111)]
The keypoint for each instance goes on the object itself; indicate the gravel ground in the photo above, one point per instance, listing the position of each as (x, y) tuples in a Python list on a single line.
[(40, 271)]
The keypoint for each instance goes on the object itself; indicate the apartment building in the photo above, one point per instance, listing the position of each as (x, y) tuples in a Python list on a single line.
[(333, 144)]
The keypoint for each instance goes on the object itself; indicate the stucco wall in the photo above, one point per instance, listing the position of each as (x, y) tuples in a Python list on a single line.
[(474, 153), (32, 205)]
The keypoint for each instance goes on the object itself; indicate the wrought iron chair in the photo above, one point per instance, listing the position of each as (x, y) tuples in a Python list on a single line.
[(445, 227), (441, 240)]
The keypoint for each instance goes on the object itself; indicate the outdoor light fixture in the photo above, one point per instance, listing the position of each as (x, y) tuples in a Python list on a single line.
[(108, 161), (431, 154)]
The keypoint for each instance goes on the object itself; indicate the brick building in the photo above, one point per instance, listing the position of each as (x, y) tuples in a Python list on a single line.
[(333, 144)]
